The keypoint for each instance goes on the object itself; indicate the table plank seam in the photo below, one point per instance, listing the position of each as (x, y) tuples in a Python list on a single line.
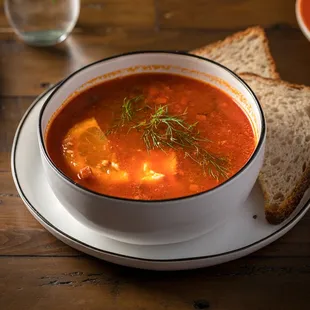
[(271, 27)]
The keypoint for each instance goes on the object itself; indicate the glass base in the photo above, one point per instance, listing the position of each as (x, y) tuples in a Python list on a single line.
[(43, 38)]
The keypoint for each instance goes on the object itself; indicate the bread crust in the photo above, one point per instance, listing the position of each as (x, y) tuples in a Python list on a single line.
[(258, 31), (272, 81), (276, 214)]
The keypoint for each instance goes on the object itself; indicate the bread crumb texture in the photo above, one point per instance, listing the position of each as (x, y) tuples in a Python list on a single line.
[(244, 51), (285, 175)]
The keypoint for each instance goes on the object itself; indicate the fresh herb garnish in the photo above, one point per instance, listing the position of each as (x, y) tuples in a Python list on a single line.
[(162, 130), (128, 112)]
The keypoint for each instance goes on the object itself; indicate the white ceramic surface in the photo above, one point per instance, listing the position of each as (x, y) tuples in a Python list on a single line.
[(239, 236), (165, 221), (300, 21)]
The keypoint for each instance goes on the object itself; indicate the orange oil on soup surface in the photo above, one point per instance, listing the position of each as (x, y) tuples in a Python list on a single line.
[(305, 12), (150, 136)]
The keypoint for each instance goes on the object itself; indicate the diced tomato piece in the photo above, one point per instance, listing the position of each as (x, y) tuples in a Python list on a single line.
[(153, 91), (178, 109), (85, 173), (201, 117), (224, 105), (161, 100), (194, 188), (183, 101), (181, 172)]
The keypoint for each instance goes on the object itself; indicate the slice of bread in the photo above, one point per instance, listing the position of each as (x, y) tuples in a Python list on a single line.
[(285, 175), (245, 51)]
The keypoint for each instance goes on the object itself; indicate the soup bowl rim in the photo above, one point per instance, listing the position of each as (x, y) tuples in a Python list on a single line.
[(219, 187)]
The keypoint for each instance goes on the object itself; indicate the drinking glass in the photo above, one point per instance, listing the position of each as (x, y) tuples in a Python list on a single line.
[(42, 22)]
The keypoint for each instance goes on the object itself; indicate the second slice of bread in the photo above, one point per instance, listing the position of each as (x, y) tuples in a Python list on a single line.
[(244, 51), (285, 175)]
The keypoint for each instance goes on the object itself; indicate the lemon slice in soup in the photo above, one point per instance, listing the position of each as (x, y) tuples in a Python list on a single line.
[(86, 150), (85, 143)]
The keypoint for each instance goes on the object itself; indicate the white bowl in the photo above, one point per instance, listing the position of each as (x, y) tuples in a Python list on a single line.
[(300, 20), (166, 221)]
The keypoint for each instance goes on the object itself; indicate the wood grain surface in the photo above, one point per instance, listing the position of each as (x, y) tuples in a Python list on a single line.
[(38, 271)]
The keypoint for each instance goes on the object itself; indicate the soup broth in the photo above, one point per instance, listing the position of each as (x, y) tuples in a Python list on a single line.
[(150, 136), (305, 12)]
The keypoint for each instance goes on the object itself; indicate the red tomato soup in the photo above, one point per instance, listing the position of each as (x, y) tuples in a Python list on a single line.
[(305, 12), (150, 137)]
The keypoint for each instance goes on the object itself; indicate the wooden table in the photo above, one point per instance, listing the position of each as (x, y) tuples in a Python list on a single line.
[(39, 272)]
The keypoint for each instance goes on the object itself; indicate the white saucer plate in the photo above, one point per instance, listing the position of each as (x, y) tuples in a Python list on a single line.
[(247, 231)]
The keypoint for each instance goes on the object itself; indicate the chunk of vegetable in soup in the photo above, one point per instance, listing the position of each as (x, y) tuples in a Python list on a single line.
[(150, 137)]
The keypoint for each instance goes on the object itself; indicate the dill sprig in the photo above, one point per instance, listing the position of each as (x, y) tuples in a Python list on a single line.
[(163, 131), (128, 112)]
